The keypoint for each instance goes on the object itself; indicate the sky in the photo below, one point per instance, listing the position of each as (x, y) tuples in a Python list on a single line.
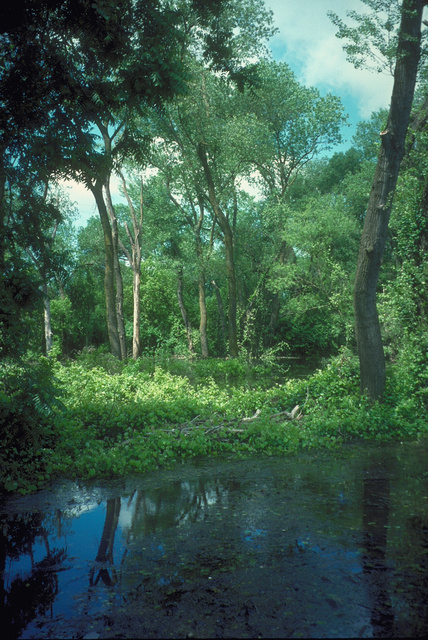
[(306, 41)]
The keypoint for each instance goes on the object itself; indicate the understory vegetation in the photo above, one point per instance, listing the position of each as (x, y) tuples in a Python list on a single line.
[(97, 417), (225, 243)]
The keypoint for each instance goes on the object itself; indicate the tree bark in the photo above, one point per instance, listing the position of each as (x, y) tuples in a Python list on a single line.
[(117, 272), (109, 284), (47, 319), (135, 260), (373, 238), (228, 245), (184, 311), (203, 315), (220, 310)]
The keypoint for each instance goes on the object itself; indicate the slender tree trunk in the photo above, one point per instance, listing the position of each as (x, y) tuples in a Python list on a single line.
[(134, 258), (117, 271), (183, 310), (220, 310), (47, 318), (109, 284), (203, 315), (373, 238), (228, 245), (136, 285)]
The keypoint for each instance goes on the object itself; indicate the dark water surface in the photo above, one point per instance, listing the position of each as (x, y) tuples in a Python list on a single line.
[(318, 545)]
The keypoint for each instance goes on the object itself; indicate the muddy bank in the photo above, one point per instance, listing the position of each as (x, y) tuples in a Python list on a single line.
[(318, 545)]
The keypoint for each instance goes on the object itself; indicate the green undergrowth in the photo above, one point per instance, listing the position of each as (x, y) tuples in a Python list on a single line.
[(100, 420)]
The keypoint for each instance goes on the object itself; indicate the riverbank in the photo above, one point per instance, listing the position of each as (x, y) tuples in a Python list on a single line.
[(111, 419)]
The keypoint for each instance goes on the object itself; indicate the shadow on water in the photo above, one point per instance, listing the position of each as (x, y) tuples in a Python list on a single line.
[(321, 545)]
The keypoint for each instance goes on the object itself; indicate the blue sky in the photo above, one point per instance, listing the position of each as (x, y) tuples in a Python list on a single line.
[(306, 41)]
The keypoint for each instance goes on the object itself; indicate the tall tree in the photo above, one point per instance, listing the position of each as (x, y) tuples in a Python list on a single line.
[(374, 235), (134, 258), (295, 123), (71, 65)]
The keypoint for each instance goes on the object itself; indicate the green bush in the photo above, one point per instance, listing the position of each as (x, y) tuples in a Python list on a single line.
[(139, 417), (28, 406)]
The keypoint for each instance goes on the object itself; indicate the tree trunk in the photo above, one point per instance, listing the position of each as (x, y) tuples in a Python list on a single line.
[(136, 284), (203, 316), (220, 310), (373, 238), (109, 288), (117, 272), (228, 245), (47, 318), (184, 311), (134, 258)]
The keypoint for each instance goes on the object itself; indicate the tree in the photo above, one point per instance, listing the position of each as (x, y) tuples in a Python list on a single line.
[(295, 123), (70, 66), (134, 259), (374, 235)]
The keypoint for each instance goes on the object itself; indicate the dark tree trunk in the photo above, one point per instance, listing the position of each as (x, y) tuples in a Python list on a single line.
[(183, 310), (373, 238), (109, 284), (203, 315), (117, 272), (220, 310), (286, 254), (228, 245)]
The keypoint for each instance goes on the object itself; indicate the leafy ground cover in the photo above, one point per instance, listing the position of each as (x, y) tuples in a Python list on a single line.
[(96, 417)]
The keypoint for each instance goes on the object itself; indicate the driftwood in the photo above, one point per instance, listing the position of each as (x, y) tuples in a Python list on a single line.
[(231, 426)]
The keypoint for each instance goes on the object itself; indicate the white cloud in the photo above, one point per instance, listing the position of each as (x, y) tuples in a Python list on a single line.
[(84, 199), (307, 42)]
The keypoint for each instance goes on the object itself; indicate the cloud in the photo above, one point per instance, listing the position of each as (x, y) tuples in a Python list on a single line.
[(84, 200), (307, 42)]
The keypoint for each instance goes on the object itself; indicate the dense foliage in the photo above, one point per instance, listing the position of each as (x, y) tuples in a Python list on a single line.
[(113, 419), (234, 246)]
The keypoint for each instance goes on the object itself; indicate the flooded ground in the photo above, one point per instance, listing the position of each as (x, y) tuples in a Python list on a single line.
[(319, 545)]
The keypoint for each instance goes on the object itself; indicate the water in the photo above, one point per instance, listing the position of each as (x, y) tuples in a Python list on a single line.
[(318, 545)]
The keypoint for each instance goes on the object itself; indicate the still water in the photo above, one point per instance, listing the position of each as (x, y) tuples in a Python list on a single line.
[(316, 545)]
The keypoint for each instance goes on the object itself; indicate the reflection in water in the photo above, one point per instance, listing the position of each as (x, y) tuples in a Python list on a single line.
[(315, 546), (105, 550), (375, 533), (33, 592)]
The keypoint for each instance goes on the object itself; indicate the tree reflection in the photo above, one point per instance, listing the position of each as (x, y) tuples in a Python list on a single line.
[(105, 549), (33, 594), (376, 508)]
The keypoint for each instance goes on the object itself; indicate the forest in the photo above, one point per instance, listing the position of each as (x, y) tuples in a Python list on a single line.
[(242, 244)]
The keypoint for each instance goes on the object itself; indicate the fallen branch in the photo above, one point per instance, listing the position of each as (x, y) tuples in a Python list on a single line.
[(231, 425)]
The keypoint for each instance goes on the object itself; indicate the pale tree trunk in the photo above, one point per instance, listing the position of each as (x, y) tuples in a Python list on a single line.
[(228, 244), (117, 271), (136, 285), (134, 257), (373, 238), (47, 320), (41, 266), (203, 316)]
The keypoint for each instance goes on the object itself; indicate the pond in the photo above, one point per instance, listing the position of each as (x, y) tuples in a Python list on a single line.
[(324, 544)]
